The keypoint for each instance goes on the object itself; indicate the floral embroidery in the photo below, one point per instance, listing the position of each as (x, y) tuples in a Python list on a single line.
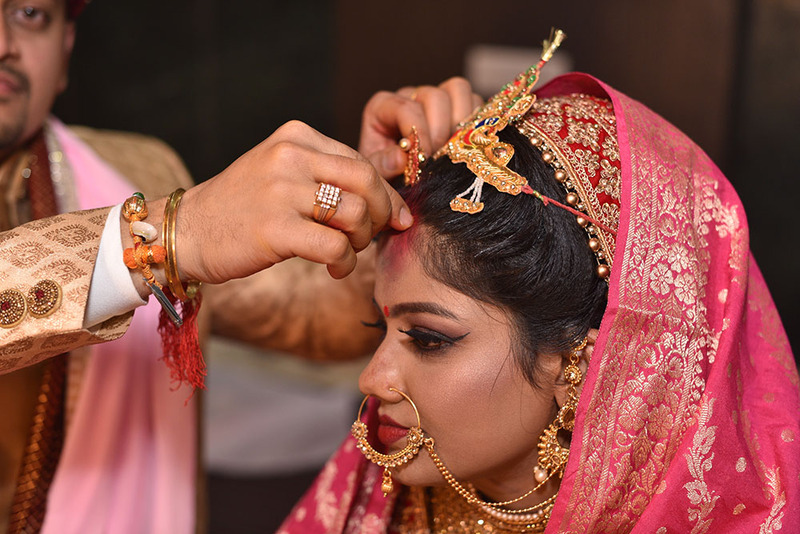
[(662, 279), (699, 461), (72, 235), (583, 133), (326, 509), (610, 149), (551, 123), (661, 325), (609, 179), (741, 464), (588, 159), (27, 253), (773, 521)]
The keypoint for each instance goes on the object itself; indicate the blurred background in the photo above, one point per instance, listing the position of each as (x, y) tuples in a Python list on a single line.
[(213, 78)]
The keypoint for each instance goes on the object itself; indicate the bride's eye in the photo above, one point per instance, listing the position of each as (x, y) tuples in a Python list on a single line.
[(429, 340)]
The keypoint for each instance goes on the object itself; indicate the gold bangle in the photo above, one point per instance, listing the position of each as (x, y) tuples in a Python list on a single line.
[(168, 238), (134, 209)]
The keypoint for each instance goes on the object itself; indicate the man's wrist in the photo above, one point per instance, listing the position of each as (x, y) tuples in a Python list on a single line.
[(155, 216)]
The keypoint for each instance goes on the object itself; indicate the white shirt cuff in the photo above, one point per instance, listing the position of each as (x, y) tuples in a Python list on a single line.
[(111, 292)]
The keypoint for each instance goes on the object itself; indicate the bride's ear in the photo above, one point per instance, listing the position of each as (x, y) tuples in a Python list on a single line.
[(584, 357)]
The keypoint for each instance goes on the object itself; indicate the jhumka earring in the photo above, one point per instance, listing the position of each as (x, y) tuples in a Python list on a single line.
[(388, 461), (552, 455)]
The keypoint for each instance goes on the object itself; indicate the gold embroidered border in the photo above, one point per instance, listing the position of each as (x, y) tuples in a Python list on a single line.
[(651, 371)]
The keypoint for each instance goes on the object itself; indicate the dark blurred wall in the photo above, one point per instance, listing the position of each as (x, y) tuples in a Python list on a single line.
[(212, 78), (764, 162), (215, 77)]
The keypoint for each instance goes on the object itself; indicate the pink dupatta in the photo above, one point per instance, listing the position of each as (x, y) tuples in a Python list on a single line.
[(129, 459), (689, 419)]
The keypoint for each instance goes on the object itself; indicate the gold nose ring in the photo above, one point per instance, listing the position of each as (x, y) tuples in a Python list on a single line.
[(414, 440)]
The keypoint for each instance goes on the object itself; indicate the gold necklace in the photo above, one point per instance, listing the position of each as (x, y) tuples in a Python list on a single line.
[(441, 510), (485, 514), (471, 495)]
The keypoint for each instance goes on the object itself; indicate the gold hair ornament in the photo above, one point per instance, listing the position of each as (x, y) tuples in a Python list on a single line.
[(415, 157), (476, 143), (388, 461)]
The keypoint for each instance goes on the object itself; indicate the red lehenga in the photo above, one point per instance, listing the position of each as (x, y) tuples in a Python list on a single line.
[(689, 419)]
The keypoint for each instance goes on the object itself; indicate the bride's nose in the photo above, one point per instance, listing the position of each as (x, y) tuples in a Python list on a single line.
[(384, 371)]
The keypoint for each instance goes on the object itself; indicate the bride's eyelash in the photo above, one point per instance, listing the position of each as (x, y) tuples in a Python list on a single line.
[(379, 324), (429, 340)]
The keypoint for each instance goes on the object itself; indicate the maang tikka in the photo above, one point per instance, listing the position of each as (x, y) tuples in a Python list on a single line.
[(388, 461)]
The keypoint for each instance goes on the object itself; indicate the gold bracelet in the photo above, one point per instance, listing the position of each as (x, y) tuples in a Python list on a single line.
[(168, 238)]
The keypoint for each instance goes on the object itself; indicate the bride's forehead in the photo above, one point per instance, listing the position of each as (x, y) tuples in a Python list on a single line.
[(397, 251)]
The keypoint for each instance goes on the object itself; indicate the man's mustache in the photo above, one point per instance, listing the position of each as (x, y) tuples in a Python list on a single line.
[(19, 77)]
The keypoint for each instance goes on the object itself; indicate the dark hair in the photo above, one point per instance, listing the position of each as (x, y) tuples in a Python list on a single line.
[(529, 259)]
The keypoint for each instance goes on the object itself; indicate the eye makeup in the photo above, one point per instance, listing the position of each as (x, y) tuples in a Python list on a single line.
[(429, 340)]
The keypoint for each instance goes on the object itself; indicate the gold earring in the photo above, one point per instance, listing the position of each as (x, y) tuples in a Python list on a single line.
[(552, 455), (388, 461)]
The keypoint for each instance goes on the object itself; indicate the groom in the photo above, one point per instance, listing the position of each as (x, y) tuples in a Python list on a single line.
[(123, 443)]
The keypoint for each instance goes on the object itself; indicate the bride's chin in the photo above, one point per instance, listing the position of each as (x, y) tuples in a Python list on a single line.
[(418, 472)]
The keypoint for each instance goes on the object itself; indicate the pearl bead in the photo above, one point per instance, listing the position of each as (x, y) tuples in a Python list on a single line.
[(603, 271), (547, 157), (594, 244), (572, 199), (561, 176), (582, 222), (539, 474)]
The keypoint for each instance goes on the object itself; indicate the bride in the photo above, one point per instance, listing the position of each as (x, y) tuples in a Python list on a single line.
[(577, 339)]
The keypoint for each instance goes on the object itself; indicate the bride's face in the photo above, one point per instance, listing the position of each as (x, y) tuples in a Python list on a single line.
[(453, 356)]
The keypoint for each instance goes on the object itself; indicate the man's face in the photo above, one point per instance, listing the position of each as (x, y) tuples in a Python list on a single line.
[(35, 44)]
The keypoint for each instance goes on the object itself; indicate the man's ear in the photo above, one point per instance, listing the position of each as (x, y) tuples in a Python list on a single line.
[(584, 357)]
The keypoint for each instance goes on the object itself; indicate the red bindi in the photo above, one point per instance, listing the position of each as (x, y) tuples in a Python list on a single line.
[(386, 311)]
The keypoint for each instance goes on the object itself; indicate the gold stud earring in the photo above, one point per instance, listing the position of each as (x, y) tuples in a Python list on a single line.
[(388, 461)]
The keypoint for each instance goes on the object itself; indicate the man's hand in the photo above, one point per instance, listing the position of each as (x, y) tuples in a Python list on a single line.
[(259, 211), (435, 111)]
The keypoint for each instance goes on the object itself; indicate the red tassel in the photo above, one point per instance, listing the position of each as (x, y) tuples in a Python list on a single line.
[(181, 345)]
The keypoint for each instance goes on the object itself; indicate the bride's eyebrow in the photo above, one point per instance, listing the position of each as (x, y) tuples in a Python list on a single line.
[(422, 307)]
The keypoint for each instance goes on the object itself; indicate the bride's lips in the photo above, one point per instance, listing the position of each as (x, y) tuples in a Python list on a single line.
[(390, 430)]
